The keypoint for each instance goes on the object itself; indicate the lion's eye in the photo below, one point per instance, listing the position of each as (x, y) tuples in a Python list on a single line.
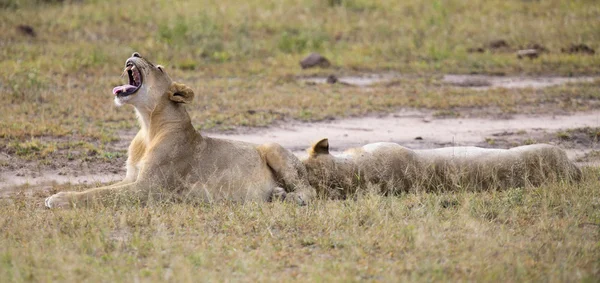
[(160, 68)]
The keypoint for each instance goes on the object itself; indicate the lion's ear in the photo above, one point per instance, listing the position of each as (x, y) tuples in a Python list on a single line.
[(320, 147), (180, 93)]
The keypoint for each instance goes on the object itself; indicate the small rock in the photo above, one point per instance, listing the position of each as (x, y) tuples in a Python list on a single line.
[(251, 111), (538, 47), (578, 48), (472, 82), (529, 53), (498, 44), (427, 119), (314, 60), (331, 79), (475, 50), (26, 30), (419, 138), (338, 36)]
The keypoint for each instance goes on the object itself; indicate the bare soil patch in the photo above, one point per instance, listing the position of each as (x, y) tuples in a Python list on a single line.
[(63, 166), (484, 82), (365, 80), (479, 82)]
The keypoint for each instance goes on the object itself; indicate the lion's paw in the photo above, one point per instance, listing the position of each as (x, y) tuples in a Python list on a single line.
[(60, 200), (278, 194), (295, 197)]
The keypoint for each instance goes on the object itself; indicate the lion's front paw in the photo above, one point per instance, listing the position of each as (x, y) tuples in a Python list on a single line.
[(278, 194), (295, 197), (60, 200)]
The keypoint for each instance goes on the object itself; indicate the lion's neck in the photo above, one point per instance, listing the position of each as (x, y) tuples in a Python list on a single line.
[(167, 120), (143, 119)]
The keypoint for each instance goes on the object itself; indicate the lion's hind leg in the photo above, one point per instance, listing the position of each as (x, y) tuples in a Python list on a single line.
[(289, 172)]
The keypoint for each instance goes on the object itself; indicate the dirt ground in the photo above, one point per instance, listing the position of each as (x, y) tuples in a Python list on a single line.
[(577, 133), (419, 129), (479, 82)]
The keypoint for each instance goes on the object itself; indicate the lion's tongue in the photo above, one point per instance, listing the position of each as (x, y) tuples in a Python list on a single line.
[(123, 88)]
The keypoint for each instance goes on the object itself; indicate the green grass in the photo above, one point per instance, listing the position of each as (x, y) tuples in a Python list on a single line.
[(232, 37), (522, 234)]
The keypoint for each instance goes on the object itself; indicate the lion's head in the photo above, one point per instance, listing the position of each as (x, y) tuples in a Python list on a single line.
[(320, 165), (148, 85)]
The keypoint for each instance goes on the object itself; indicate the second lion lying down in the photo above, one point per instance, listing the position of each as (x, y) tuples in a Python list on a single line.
[(392, 168)]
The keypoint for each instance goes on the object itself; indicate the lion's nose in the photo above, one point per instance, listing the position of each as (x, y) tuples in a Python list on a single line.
[(135, 54)]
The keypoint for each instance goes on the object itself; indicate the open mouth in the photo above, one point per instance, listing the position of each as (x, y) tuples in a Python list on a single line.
[(135, 81)]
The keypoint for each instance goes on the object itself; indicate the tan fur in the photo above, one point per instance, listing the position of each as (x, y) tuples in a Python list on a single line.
[(392, 168), (169, 155), (388, 167)]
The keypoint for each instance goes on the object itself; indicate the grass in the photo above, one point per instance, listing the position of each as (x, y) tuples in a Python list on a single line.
[(522, 234), (242, 61)]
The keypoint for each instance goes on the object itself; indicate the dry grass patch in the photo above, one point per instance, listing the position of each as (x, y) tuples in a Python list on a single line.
[(521, 234)]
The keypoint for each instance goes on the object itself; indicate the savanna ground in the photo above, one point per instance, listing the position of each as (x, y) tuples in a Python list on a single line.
[(241, 58)]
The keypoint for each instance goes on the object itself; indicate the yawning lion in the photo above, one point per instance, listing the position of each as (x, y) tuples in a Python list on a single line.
[(169, 155)]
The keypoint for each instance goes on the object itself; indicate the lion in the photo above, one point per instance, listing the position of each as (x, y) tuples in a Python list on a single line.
[(391, 168), (387, 165), (169, 155)]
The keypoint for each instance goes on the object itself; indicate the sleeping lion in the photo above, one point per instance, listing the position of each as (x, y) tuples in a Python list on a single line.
[(392, 168)]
